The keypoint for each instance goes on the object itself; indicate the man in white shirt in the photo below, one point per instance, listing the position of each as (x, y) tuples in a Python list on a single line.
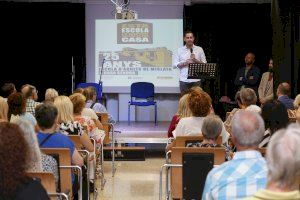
[(185, 55)]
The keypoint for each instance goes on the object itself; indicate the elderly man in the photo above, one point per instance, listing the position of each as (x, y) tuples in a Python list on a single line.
[(247, 171), (283, 155), (283, 92)]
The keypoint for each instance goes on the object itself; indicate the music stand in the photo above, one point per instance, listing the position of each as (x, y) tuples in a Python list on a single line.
[(202, 71)]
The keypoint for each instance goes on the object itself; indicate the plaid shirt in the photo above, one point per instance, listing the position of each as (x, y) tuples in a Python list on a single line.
[(241, 177), (30, 106)]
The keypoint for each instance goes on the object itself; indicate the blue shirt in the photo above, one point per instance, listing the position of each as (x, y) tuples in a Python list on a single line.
[(287, 101), (239, 178), (57, 140)]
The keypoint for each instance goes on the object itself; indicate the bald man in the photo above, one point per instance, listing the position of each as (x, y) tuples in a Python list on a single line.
[(249, 75), (31, 95), (283, 92)]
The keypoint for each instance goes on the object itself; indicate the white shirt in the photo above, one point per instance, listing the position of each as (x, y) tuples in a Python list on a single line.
[(182, 55), (192, 126)]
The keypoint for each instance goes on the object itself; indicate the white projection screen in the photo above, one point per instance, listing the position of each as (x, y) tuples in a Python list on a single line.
[(137, 51)]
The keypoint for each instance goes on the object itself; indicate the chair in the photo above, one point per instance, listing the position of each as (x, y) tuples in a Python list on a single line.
[(97, 86), (142, 94), (181, 141)]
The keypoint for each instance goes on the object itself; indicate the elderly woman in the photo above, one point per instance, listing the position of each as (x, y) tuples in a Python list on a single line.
[(244, 98), (200, 106), (51, 94), (14, 183), (37, 161), (283, 155)]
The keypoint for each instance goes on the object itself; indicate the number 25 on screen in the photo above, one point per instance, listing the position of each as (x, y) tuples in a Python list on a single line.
[(111, 56)]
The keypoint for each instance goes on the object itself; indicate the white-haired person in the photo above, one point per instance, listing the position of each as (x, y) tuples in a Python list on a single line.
[(283, 161), (211, 129), (50, 94), (246, 173)]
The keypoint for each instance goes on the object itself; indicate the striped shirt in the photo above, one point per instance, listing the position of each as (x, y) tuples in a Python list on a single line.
[(239, 178)]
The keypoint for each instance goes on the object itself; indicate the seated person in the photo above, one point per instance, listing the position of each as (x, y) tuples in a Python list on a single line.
[(48, 137), (31, 95), (3, 110), (283, 92), (14, 158), (200, 106), (182, 112), (91, 95), (275, 117), (50, 94), (244, 98), (246, 173), (7, 89), (283, 164), (211, 130)]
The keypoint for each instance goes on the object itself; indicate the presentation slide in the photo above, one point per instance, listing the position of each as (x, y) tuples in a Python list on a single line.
[(137, 51)]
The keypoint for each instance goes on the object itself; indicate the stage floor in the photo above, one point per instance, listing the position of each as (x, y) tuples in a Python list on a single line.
[(142, 132)]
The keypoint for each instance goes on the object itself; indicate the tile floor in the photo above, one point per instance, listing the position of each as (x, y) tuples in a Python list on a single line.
[(133, 180)]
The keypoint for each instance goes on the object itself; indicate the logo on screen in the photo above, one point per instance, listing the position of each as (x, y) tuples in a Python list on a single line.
[(135, 32)]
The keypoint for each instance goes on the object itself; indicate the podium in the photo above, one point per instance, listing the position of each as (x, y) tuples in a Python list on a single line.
[(209, 75)]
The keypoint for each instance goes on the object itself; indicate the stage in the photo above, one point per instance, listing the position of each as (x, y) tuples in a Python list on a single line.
[(139, 133)]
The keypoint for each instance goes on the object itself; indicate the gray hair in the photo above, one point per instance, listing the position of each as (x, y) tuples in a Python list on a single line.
[(248, 96), (51, 94), (248, 128), (212, 127), (283, 157), (35, 163)]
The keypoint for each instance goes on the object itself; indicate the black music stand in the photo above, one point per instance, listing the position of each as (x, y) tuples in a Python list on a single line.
[(203, 71)]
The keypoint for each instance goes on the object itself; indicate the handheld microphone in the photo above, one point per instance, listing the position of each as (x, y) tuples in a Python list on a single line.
[(191, 49)]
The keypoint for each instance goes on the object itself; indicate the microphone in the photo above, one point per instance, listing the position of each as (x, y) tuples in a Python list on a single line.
[(191, 49)]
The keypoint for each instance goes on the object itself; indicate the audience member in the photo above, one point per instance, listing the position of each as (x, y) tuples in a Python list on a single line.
[(244, 98), (248, 76), (94, 131), (182, 112), (275, 117), (211, 129), (50, 94), (3, 110), (14, 152), (37, 161), (283, 163), (265, 89), (31, 95), (48, 137), (247, 171), (283, 92), (91, 96), (200, 106), (297, 109), (254, 108), (17, 109), (7, 89)]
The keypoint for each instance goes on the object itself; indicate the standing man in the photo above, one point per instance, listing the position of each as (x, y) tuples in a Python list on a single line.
[(248, 76), (185, 55)]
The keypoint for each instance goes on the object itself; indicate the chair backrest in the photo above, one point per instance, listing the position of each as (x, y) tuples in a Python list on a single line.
[(194, 171), (64, 160), (181, 141), (142, 90), (103, 118), (176, 158), (47, 180), (97, 86), (76, 140)]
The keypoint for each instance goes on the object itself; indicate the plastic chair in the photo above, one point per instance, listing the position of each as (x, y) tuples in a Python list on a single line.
[(142, 94), (97, 86)]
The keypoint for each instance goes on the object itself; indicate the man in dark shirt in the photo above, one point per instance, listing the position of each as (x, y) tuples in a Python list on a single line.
[(283, 92), (248, 76)]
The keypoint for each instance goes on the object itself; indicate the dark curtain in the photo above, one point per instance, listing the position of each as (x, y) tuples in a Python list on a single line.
[(286, 44), (38, 41), (227, 32)]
